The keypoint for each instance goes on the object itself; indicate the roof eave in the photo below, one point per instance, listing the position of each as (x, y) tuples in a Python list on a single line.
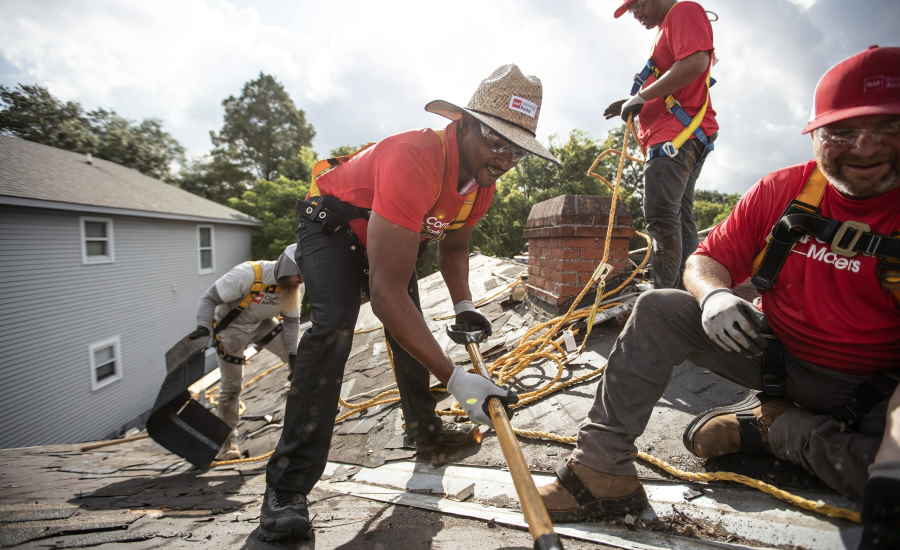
[(77, 207)]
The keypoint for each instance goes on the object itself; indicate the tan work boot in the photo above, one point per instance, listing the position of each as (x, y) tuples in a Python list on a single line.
[(582, 494), (739, 427), (230, 451)]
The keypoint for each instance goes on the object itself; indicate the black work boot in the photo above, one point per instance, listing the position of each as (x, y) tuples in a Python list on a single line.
[(284, 515), (441, 440)]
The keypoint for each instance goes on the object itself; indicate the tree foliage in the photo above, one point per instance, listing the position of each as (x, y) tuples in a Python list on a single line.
[(501, 231), (711, 207), (272, 203), (33, 113), (263, 131)]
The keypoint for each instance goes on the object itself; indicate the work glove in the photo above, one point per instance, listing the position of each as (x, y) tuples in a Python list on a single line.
[(472, 392), (199, 332), (470, 319), (633, 106), (881, 514), (732, 323), (614, 109)]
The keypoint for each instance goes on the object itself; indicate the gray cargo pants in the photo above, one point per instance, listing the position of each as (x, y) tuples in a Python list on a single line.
[(664, 329), (669, 210), (234, 340)]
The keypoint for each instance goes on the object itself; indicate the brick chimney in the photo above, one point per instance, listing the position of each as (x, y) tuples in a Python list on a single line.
[(565, 244)]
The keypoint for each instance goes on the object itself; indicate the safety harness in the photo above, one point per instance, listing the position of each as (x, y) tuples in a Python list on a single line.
[(256, 289), (335, 214), (847, 239), (691, 125)]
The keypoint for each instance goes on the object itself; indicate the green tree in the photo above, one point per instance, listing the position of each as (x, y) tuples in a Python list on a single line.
[(33, 113), (501, 231), (711, 207), (272, 203), (263, 131)]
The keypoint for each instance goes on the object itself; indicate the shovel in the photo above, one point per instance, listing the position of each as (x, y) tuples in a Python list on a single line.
[(539, 524)]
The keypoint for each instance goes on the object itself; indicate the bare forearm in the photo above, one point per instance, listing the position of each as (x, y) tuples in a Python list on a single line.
[(405, 323), (682, 73), (703, 274), (454, 265)]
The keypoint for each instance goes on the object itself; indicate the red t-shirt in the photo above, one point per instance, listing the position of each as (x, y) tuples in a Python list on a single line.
[(826, 309), (684, 31), (410, 179)]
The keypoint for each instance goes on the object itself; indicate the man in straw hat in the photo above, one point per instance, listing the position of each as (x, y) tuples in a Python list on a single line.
[(825, 345), (370, 212), (668, 96)]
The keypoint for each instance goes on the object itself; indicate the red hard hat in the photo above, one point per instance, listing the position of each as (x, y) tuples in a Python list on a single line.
[(623, 8), (866, 84)]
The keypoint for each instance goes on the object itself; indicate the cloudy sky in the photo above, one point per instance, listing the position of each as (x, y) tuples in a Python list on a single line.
[(363, 70)]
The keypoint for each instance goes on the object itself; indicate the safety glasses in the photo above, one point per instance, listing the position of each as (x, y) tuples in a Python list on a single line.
[(846, 137), (502, 146)]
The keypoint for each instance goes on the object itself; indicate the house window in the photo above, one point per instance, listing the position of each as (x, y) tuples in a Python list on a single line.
[(205, 248), (106, 363), (97, 241)]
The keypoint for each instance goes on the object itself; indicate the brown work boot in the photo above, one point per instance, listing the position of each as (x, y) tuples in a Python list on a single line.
[(583, 494), (741, 427)]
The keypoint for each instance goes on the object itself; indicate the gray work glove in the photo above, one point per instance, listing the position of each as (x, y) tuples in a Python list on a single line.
[(732, 323), (473, 390), (614, 109), (633, 106), (469, 319)]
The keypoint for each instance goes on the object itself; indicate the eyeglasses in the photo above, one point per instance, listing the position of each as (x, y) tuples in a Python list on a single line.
[(850, 136), (502, 146)]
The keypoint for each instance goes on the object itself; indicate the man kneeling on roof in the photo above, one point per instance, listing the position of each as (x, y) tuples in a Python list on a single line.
[(361, 228), (239, 310), (830, 285)]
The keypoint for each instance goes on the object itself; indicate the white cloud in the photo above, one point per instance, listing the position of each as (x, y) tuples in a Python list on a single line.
[(362, 70)]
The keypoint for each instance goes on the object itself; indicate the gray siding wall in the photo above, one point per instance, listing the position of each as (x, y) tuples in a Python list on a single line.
[(53, 307)]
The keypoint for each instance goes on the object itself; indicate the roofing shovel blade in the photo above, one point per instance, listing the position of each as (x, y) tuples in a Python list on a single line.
[(539, 524), (178, 422)]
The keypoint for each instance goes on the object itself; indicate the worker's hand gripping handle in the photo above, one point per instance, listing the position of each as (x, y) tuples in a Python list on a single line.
[(539, 524)]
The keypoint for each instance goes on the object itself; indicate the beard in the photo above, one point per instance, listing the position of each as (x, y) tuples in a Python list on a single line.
[(888, 182)]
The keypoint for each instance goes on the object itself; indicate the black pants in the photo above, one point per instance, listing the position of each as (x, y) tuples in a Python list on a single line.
[(669, 210), (334, 278)]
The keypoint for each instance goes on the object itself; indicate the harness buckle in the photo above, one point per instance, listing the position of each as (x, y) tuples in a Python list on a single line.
[(858, 230), (668, 149)]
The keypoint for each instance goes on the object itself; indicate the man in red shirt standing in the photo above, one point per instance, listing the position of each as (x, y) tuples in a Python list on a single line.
[(825, 346), (677, 126), (360, 229)]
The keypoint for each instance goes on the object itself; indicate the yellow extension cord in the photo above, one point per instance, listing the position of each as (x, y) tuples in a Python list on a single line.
[(540, 343)]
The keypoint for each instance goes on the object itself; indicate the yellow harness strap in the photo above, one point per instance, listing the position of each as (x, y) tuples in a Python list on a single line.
[(810, 198), (686, 133), (466, 209), (256, 288)]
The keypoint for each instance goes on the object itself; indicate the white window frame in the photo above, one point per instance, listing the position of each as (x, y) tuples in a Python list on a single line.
[(110, 241), (212, 250), (116, 343)]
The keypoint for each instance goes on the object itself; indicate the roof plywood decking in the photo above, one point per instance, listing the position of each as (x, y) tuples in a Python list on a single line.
[(369, 460)]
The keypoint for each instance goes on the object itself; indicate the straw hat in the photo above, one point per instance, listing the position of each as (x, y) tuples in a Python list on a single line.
[(509, 103)]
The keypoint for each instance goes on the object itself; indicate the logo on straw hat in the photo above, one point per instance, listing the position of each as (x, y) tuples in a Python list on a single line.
[(523, 106), (508, 102)]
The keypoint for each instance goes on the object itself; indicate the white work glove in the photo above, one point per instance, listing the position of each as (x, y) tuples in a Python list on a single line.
[(633, 106), (732, 323), (473, 390)]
